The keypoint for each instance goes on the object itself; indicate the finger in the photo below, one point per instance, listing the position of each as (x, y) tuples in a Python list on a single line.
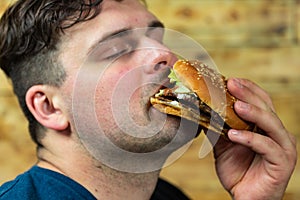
[(266, 97), (265, 120), (260, 144), (249, 92), (256, 89)]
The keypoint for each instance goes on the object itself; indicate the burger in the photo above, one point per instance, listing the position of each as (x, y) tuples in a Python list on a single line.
[(199, 93)]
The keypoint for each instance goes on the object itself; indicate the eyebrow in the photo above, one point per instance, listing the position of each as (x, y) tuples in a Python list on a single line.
[(123, 32)]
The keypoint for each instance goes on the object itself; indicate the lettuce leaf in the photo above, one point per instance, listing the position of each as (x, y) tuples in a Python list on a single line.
[(180, 87), (172, 76)]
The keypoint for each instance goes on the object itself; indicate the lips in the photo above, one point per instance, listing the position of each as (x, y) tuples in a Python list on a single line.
[(165, 85), (160, 82)]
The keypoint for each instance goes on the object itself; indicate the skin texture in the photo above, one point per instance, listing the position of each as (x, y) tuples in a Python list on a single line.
[(68, 146)]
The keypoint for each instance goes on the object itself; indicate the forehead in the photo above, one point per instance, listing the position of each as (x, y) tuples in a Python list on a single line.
[(114, 15), (125, 13)]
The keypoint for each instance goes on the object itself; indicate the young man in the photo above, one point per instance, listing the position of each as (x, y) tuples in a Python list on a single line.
[(84, 71)]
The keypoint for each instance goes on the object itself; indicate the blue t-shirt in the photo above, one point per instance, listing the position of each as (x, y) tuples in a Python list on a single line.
[(40, 183), (43, 184)]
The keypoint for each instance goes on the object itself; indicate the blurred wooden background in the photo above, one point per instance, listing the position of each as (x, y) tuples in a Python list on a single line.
[(255, 39)]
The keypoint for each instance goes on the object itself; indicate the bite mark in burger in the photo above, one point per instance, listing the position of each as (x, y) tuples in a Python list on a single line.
[(199, 94)]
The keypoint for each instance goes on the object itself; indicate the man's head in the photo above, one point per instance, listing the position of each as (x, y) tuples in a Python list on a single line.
[(90, 68)]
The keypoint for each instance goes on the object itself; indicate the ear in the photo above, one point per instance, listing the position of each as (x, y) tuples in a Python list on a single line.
[(45, 105)]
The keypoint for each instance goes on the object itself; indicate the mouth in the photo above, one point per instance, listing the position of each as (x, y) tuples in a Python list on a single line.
[(164, 83)]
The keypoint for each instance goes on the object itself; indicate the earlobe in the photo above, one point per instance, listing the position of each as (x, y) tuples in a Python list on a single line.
[(45, 108)]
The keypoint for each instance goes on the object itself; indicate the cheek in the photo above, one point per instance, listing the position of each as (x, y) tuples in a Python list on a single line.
[(108, 92), (103, 94), (118, 99), (108, 81)]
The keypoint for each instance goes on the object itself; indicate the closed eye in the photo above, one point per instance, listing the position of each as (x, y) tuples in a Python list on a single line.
[(114, 48), (156, 33), (117, 50)]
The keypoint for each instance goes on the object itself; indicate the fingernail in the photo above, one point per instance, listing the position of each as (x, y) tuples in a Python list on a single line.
[(234, 132), (243, 105), (237, 82)]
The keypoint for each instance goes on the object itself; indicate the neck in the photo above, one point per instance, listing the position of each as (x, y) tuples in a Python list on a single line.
[(102, 181)]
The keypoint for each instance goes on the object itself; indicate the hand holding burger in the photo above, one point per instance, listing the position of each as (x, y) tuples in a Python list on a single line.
[(249, 165)]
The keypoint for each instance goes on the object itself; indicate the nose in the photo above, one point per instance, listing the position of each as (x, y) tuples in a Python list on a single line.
[(156, 56), (160, 65)]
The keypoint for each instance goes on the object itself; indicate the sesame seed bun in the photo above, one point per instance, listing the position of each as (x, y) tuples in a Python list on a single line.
[(215, 106)]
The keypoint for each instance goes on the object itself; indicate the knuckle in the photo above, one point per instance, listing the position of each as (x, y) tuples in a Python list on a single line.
[(293, 139), (292, 154), (270, 143)]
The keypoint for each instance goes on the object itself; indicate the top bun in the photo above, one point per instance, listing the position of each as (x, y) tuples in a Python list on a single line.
[(211, 88)]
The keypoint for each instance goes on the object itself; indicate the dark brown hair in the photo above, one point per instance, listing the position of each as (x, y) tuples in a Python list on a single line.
[(29, 37)]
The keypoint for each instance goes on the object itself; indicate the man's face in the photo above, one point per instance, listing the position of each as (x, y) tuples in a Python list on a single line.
[(115, 63)]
